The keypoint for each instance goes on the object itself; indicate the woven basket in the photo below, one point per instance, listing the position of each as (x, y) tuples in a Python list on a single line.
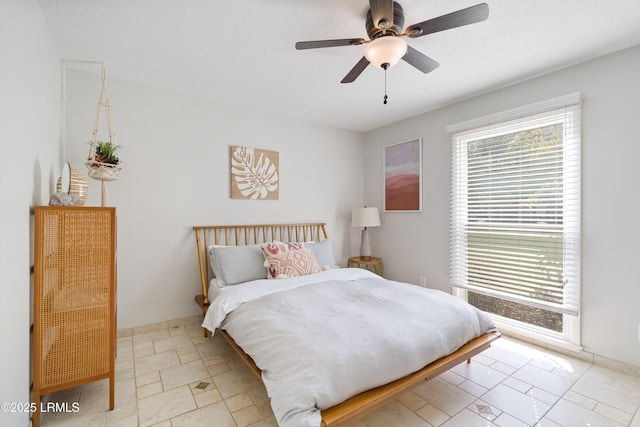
[(103, 171)]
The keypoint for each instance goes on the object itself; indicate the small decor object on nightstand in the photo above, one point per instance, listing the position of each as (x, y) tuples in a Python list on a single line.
[(365, 217), (372, 264)]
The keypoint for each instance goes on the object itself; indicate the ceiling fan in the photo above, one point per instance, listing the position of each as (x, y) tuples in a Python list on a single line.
[(386, 47)]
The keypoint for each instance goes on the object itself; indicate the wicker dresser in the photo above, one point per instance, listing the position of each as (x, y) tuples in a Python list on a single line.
[(74, 329)]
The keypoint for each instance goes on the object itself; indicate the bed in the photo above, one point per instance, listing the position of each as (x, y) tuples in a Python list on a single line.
[(296, 333)]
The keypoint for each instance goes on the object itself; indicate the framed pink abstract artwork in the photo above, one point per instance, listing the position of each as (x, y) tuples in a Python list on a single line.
[(403, 176)]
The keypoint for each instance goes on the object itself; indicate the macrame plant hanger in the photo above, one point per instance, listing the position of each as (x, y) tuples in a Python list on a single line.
[(98, 169)]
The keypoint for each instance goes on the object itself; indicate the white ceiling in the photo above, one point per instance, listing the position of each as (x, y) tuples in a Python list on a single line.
[(241, 52)]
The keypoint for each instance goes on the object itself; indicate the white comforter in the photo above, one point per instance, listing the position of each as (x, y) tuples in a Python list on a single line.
[(323, 338)]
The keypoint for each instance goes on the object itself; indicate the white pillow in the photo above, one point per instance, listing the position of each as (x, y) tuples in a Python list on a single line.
[(323, 252), (237, 264)]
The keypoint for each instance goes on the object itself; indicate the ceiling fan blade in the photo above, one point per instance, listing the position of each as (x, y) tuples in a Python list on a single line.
[(328, 43), (467, 16), (356, 71), (382, 13), (419, 60)]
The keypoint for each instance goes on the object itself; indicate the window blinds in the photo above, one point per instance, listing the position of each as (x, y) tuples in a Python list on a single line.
[(515, 205)]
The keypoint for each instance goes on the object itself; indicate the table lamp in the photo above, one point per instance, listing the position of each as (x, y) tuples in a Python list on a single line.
[(365, 217)]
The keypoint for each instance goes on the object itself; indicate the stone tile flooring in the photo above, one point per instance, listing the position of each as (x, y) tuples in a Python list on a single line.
[(169, 375)]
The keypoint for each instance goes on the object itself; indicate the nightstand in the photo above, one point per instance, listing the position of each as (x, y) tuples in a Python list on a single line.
[(372, 264)]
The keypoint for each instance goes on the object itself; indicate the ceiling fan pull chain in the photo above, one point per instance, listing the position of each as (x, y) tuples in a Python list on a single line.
[(385, 83)]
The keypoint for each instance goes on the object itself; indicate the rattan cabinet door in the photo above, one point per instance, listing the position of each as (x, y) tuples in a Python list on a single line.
[(74, 298)]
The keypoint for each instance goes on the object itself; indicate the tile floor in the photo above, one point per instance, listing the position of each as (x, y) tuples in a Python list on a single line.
[(169, 375)]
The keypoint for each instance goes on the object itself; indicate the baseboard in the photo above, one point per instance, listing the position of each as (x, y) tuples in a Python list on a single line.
[(578, 353), (137, 330)]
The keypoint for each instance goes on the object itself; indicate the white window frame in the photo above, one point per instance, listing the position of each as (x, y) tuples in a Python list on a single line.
[(570, 337)]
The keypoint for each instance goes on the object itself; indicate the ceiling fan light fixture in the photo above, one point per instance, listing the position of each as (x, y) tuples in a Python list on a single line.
[(385, 50)]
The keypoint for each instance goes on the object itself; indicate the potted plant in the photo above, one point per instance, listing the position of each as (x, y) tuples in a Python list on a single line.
[(106, 153), (104, 163)]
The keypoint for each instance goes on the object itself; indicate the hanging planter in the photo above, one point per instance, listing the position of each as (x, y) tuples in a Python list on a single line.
[(103, 163)]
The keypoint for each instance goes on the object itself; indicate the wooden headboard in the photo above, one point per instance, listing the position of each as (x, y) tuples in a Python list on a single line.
[(236, 235)]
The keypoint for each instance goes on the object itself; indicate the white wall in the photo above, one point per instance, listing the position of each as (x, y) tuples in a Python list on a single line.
[(415, 244), (175, 153), (29, 166)]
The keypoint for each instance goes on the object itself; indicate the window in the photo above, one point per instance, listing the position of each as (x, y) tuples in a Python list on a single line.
[(515, 215)]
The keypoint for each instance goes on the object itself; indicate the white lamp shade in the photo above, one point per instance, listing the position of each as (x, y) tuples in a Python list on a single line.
[(365, 217), (385, 50)]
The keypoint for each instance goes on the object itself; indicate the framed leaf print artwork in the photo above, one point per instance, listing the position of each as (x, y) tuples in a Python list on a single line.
[(403, 176), (255, 174)]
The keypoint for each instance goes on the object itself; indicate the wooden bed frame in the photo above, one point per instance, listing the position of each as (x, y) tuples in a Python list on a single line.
[(357, 406)]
